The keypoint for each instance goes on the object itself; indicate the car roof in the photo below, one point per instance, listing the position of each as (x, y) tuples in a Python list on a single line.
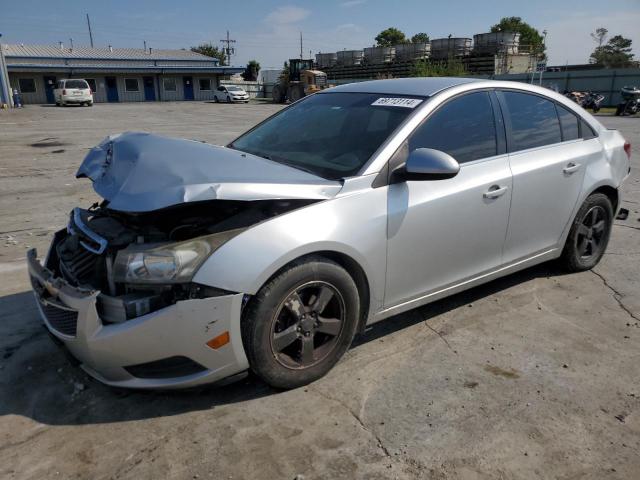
[(425, 87)]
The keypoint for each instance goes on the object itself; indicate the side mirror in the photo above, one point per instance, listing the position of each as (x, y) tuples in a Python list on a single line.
[(428, 164)]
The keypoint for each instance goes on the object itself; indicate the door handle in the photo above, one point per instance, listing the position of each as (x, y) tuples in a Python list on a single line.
[(495, 191), (571, 167)]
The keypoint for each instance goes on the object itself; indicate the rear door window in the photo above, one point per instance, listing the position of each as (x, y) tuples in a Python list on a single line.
[(463, 127), (569, 124), (534, 121)]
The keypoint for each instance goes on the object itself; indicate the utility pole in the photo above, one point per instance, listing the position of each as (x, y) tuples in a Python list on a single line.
[(301, 55), (544, 41), (90, 34), (228, 49)]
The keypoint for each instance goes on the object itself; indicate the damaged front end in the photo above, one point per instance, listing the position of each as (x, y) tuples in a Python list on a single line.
[(117, 284), (145, 261)]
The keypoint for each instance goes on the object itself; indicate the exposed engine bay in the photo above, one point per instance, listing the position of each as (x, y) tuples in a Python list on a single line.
[(127, 255)]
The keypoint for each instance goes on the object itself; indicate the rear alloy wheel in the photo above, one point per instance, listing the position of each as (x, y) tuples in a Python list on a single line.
[(589, 234), (301, 322)]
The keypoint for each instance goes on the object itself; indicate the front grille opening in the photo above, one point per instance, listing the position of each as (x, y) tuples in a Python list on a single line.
[(62, 320), (171, 367)]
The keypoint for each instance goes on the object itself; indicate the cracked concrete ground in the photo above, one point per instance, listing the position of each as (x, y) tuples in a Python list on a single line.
[(536, 375)]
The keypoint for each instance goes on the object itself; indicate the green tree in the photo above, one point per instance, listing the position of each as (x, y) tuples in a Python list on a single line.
[(600, 35), (210, 51), (616, 53), (389, 37), (250, 73), (529, 36), (446, 68), (420, 38)]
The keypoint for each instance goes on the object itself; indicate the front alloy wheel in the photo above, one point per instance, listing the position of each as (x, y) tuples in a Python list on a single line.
[(307, 325), (296, 328)]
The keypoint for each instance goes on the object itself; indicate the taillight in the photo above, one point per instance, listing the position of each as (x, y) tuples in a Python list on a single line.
[(627, 149), (64, 92)]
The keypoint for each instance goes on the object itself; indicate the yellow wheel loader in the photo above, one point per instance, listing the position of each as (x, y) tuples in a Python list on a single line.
[(300, 80)]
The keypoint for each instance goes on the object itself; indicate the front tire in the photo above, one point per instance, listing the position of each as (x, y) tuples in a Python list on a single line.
[(589, 234), (301, 322)]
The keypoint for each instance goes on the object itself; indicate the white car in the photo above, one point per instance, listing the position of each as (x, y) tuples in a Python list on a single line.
[(230, 93), (76, 91)]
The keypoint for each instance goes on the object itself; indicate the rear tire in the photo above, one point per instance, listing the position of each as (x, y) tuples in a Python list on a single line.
[(301, 322), (278, 93), (589, 234)]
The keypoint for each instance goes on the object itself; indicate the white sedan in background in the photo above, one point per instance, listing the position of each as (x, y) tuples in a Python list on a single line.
[(76, 91), (230, 93)]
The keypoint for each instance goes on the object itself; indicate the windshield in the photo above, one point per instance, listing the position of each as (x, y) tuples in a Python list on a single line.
[(76, 84), (331, 135), (234, 89)]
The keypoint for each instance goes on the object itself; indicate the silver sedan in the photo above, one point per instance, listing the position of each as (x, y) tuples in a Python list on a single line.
[(347, 207)]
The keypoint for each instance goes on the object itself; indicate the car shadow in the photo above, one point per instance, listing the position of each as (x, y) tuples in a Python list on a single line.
[(38, 382)]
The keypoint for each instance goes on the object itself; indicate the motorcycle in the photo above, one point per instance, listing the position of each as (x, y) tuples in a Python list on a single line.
[(631, 101), (592, 100), (586, 100)]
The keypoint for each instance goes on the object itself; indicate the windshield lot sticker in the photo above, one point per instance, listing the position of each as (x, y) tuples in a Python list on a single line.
[(397, 102)]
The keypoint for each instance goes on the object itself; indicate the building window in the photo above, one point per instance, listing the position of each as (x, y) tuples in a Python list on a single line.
[(27, 85), (205, 84), (169, 84), (131, 85), (92, 84)]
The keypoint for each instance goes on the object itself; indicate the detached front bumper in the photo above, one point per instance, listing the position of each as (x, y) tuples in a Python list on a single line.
[(163, 349)]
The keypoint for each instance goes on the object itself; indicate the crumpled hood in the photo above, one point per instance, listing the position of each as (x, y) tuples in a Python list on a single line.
[(140, 172)]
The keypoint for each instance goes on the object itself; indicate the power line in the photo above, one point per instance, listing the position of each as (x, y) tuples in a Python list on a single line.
[(229, 49)]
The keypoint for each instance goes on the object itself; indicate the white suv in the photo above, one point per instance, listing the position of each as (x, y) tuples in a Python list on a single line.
[(73, 91)]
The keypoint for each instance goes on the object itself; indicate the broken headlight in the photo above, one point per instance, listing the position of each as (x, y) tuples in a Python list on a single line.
[(167, 263)]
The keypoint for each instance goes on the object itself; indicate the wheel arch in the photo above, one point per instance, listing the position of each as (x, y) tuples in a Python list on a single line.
[(605, 188), (611, 193), (353, 268)]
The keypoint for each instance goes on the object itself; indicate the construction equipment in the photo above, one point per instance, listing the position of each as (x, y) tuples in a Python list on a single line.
[(301, 79)]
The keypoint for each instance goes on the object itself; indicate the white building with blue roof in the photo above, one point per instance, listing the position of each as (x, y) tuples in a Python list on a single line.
[(114, 74)]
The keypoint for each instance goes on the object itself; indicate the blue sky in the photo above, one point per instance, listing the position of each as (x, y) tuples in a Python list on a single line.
[(269, 30)]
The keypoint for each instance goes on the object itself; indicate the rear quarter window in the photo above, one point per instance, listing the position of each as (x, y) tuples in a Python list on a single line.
[(586, 132), (569, 124), (534, 121)]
